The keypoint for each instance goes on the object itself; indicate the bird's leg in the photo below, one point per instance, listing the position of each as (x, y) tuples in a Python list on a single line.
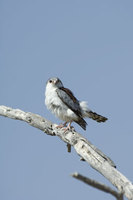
[(68, 127), (61, 125)]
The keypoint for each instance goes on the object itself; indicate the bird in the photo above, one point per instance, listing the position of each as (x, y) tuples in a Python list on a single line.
[(65, 106)]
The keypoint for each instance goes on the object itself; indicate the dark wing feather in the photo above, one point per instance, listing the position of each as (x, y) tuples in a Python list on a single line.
[(70, 100)]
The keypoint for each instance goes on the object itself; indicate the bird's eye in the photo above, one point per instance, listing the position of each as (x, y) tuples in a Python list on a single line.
[(50, 81)]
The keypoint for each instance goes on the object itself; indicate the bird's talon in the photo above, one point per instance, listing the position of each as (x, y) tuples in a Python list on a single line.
[(61, 125), (66, 129)]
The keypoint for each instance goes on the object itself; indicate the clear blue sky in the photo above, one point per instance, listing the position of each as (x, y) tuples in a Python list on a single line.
[(89, 46)]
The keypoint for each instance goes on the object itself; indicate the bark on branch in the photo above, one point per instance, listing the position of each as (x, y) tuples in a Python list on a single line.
[(95, 158)]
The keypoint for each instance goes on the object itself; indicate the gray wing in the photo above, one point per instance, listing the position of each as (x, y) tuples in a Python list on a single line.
[(69, 100)]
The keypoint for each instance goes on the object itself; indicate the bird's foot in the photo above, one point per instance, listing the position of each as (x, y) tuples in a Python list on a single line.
[(64, 126), (67, 128), (61, 125)]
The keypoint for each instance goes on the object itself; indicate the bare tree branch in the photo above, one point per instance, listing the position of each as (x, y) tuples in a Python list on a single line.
[(100, 186), (82, 146)]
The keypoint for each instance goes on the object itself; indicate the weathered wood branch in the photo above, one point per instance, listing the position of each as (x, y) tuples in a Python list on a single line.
[(83, 147), (100, 186)]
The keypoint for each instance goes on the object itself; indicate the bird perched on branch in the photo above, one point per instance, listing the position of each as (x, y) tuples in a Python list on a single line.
[(65, 106)]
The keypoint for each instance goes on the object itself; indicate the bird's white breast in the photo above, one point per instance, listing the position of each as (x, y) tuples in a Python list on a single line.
[(51, 96), (56, 105)]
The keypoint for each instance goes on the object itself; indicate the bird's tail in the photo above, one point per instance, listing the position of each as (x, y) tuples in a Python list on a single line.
[(95, 116), (88, 113)]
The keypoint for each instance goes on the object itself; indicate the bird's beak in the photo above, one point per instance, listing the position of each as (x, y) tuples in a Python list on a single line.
[(55, 81)]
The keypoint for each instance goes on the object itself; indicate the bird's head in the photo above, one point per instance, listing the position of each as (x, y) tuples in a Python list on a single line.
[(55, 82)]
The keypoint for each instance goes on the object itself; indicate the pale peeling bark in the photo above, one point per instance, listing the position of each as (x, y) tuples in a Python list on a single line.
[(83, 147)]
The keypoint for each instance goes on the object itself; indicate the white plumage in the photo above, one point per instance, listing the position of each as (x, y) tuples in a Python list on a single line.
[(66, 107)]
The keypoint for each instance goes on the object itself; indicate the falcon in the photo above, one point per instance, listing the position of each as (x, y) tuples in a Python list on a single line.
[(62, 102)]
